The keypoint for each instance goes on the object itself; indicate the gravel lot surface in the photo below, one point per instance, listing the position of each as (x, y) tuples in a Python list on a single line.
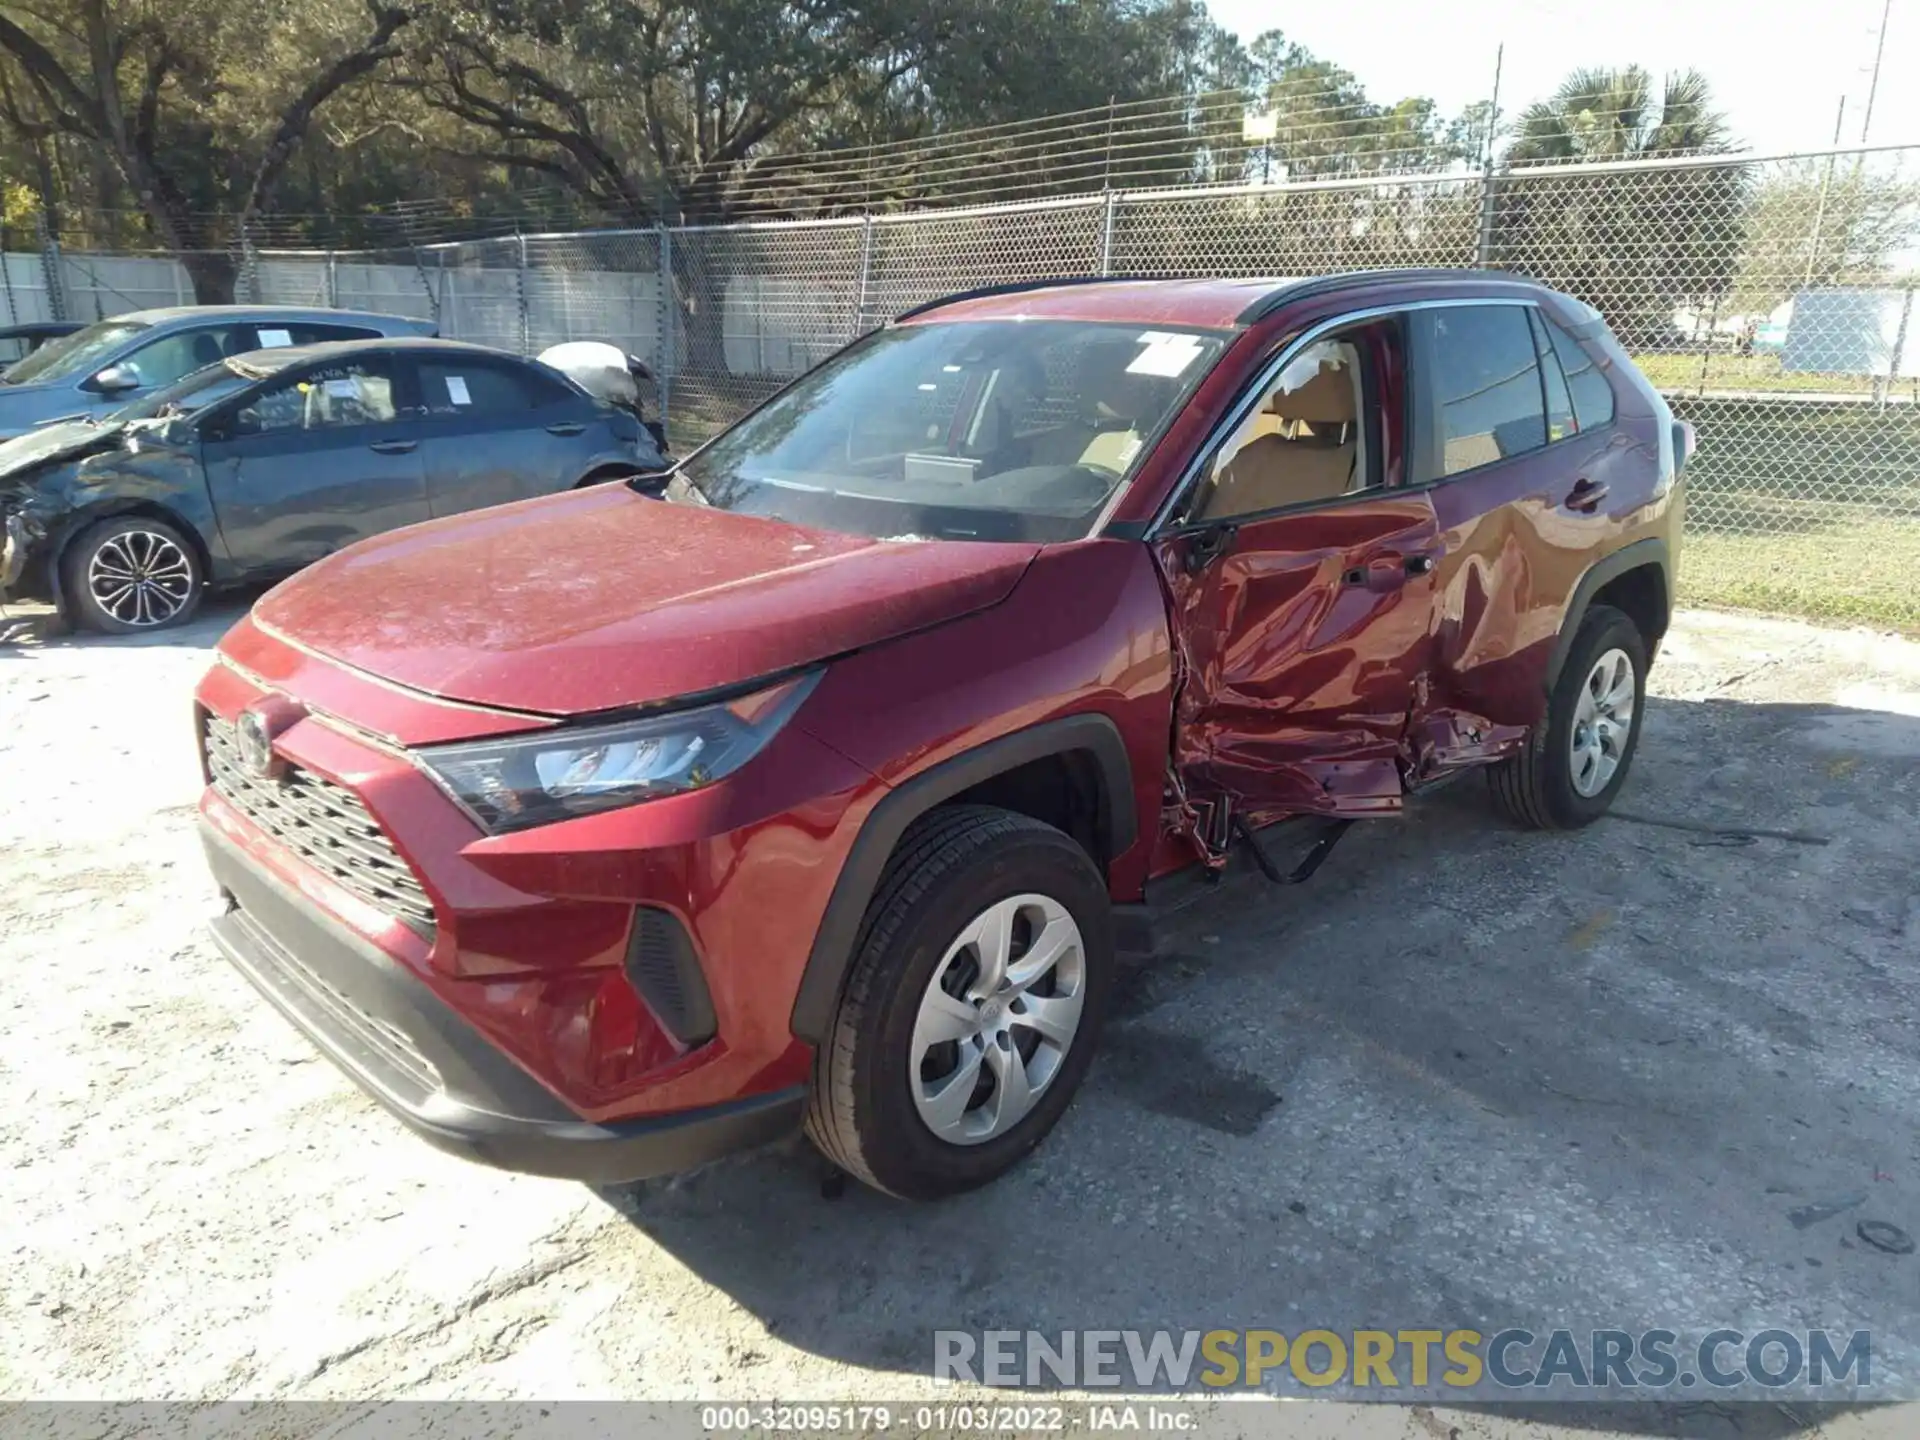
[(1655, 1073)]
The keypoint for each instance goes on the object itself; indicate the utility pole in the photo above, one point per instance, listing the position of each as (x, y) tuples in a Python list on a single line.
[(1483, 253), (1826, 184), (1879, 53), (1493, 111)]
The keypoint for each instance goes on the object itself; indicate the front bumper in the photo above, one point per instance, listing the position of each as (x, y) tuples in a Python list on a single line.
[(17, 540), (424, 1063)]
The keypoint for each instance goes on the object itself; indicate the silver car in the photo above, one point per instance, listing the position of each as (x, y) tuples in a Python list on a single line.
[(103, 367)]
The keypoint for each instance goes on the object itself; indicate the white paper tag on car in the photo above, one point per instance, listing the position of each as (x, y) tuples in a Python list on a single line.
[(274, 339), (341, 389), (1165, 354), (457, 390)]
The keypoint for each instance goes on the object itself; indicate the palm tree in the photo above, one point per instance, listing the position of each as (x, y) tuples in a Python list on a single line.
[(1638, 243), (1614, 115)]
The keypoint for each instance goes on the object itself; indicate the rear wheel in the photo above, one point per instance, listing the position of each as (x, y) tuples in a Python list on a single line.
[(1577, 757), (972, 1008), (132, 574)]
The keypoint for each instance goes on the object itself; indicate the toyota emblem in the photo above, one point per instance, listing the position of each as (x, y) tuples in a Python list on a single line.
[(256, 746)]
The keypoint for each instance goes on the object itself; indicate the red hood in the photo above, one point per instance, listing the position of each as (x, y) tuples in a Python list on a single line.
[(603, 598)]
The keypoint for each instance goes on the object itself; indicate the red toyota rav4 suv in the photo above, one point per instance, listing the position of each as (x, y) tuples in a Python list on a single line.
[(821, 781)]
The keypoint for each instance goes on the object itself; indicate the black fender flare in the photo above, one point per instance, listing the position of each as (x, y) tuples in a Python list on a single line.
[(633, 462), (1651, 551), (1092, 734), (607, 465)]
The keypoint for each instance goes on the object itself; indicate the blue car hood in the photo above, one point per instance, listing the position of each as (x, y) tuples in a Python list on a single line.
[(63, 440), (23, 407)]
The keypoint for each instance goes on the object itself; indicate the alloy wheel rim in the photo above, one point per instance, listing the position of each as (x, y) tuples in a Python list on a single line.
[(998, 1019), (141, 578), (1602, 723)]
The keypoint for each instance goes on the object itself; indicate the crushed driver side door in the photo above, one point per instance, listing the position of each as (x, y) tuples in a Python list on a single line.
[(1300, 578)]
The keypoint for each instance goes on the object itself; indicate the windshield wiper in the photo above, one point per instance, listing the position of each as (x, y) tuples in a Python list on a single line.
[(670, 485)]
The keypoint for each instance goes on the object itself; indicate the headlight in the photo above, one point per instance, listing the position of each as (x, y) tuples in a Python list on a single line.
[(570, 771)]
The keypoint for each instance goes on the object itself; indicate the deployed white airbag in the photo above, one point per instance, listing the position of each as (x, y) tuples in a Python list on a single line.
[(598, 368)]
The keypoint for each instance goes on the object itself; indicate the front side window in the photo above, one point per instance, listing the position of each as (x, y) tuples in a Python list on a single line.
[(1482, 383), (332, 397), (188, 396), (1315, 434), (173, 357), (963, 430), (80, 353)]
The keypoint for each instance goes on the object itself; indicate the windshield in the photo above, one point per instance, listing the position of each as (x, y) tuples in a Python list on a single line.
[(71, 354), (969, 430), (195, 392)]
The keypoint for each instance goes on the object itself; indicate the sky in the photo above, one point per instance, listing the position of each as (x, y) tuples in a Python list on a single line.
[(1779, 80)]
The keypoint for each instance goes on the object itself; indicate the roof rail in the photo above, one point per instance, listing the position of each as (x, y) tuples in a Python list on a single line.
[(1325, 284), (1016, 287)]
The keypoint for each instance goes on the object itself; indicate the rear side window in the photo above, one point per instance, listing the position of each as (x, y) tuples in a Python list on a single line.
[(1592, 395), (1482, 381), (1560, 418), (451, 388), (272, 337)]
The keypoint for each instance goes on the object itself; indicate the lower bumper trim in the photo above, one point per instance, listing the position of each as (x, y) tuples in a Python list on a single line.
[(622, 1153)]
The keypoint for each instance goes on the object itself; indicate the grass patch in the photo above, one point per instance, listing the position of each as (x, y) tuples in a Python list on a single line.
[(1728, 371), (1859, 573)]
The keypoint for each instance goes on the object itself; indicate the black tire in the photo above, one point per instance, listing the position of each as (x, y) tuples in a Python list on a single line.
[(172, 595), (950, 865), (1535, 787)]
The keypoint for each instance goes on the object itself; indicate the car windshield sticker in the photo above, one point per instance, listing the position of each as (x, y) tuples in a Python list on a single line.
[(341, 389), (273, 339), (1165, 354), (457, 390)]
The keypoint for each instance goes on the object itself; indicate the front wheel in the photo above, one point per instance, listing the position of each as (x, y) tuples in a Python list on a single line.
[(1576, 759), (973, 1006), (133, 574)]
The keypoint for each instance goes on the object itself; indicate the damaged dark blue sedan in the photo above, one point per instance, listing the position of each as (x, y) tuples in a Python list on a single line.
[(267, 461)]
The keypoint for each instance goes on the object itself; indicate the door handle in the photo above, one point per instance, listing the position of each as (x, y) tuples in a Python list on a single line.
[(567, 427), (1389, 572), (1381, 574), (1586, 496), (393, 447)]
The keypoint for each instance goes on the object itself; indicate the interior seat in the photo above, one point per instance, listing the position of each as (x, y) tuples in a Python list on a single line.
[(1314, 455)]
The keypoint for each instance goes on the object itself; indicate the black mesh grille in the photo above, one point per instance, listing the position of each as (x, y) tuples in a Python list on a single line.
[(662, 967), (325, 825)]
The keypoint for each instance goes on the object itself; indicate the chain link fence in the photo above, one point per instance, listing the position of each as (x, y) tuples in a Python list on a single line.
[(1771, 300)]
